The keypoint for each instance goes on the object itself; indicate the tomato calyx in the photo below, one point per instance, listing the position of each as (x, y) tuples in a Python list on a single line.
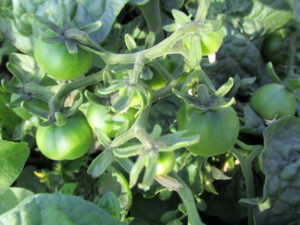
[(200, 93)]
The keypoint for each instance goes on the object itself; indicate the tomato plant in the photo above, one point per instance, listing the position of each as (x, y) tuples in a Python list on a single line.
[(218, 129), (55, 59), (101, 117), (211, 42), (69, 141), (166, 162), (274, 46), (273, 101)]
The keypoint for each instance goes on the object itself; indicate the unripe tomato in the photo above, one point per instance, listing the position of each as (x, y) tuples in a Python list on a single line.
[(166, 162), (100, 116), (218, 129), (273, 100), (67, 142), (273, 48), (211, 42), (55, 59)]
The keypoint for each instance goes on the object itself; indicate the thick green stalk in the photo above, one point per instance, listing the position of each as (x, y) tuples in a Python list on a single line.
[(246, 166), (188, 201), (163, 48), (151, 13)]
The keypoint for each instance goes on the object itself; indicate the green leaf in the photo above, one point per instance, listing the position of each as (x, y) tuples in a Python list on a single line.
[(115, 182), (253, 124), (281, 165), (109, 202), (139, 2), (267, 15), (12, 197), (56, 209), (13, 156)]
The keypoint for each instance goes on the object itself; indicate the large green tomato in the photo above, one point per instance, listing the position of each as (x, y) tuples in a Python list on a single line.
[(55, 60), (101, 117), (273, 100), (67, 142), (218, 129), (166, 162), (211, 42)]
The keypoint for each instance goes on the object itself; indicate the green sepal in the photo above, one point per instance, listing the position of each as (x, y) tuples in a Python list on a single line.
[(194, 51), (102, 138), (100, 164), (177, 140), (129, 151), (94, 98), (150, 40), (180, 17), (150, 172), (225, 88), (76, 104), (123, 101), (48, 24), (130, 42), (136, 170), (202, 10), (71, 47), (112, 88), (272, 74), (92, 27), (33, 109)]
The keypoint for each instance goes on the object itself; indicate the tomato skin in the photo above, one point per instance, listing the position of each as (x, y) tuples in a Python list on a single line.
[(273, 100), (55, 59), (99, 116), (67, 142), (218, 130), (166, 162), (273, 48), (211, 42)]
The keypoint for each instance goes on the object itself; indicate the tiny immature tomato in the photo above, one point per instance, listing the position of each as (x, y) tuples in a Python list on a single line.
[(101, 117), (211, 42), (67, 142), (272, 101), (55, 59), (218, 129), (166, 162)]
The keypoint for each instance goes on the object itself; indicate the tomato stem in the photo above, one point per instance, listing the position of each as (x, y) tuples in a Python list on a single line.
[(188, 201), (151, 13)]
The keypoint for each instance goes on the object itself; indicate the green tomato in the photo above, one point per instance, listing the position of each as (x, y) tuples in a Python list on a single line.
[(273, 100), (67, 142), (157, 82), (101, 117), (55, 60), (273, 48), (211, 42), (218, 129), (166, 162)]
